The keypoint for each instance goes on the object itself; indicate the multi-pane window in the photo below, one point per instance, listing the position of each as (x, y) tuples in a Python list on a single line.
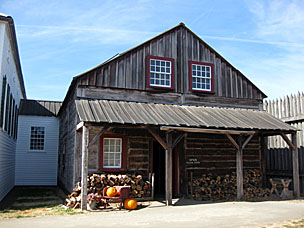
[(160, 72), (112, 152), (8, 110), (201, 77), (37, 138)]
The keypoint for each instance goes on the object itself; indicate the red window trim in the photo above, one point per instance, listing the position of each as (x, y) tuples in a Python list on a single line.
[(123, 153), (148, 72), (212, 77)]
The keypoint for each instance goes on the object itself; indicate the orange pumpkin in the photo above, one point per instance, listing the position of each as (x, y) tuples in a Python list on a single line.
[(111, 192), (130, 204)]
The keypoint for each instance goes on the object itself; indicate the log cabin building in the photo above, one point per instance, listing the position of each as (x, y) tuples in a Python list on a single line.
[(169, 106)]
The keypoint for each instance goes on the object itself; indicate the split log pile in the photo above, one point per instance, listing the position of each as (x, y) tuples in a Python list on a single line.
[(140, 187), (211, 187)]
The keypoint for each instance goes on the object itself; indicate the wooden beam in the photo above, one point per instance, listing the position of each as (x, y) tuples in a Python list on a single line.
[(295, 167), (158, 138), (289, 143), (169, 169), (79, 126), (84, 170), (247, 141), (206, 130), (96, 137), (239, 170), (177, 140), (233, 142)]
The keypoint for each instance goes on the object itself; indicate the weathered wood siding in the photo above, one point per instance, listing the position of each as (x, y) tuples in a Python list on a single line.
[(139, 150), (290, 109), (216, 154), (68, 143), (129, 72)]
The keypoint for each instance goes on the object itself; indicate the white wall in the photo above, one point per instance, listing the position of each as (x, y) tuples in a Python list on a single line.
[(37, 167), (7, 143)]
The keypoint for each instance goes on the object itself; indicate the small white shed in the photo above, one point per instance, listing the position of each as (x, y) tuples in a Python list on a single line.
[(37, 144)]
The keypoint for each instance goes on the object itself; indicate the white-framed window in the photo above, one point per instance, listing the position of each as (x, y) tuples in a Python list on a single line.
[(112, 152), (160, 72), (37, 138), (201, 77)]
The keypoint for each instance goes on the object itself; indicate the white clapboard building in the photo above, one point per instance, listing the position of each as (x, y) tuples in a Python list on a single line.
[(37, 145), (11, 92)]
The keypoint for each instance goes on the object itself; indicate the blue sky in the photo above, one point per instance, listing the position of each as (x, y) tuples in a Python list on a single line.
[(59, 39)]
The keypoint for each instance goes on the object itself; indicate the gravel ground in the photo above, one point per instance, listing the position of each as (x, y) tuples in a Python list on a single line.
[(184, 213)]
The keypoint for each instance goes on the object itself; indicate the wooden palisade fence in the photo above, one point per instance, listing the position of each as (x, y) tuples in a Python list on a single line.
[(290, 109)]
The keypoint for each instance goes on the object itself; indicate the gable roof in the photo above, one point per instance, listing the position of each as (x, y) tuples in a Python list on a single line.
[(118, 56), (13, 39), (39, 108), (180, 25)]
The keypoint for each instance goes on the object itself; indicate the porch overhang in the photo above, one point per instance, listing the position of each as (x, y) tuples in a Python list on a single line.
[(242, 123), (180, 117)]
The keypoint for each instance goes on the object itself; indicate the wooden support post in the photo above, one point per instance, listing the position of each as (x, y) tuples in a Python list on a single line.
[(263, 158), (96, 137), (84, 171), (169, 169), (239, 170), (153, 185), (295, 161), (177, 140), (158, 138)]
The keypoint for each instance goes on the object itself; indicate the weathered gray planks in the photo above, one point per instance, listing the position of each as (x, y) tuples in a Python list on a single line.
[(290, 109), (130, 69), (167, 114)]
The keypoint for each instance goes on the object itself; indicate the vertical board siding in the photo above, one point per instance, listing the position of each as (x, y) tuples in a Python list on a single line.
[(129, 70), (7, 164), (33, 167), (279, 157)]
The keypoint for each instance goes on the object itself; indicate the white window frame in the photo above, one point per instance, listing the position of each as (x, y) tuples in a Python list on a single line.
[(112, 152), (199, 76), (160, 73), (44, 136)]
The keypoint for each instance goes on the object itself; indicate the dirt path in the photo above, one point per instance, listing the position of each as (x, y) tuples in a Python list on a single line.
[(185, 213)]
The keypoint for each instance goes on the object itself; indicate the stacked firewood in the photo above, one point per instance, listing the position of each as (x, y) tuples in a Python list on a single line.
[(212, 187), (140, 188)]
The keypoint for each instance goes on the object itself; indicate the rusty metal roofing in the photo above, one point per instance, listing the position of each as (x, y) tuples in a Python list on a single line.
[(124, 112), (39, 108)]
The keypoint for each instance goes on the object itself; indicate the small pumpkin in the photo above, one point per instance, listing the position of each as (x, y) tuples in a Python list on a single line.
[(130, 204), (111, 192)]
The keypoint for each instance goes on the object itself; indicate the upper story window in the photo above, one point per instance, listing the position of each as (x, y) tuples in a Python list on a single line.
[(201, 77), (37, 138), (160, 72)]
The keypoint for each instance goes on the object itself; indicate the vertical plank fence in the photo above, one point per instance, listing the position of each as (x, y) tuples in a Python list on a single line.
[(290, 109)]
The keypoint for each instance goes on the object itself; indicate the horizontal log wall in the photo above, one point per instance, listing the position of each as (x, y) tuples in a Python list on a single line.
[(139, 150), (217, 155), (129, 71), (290, 109)]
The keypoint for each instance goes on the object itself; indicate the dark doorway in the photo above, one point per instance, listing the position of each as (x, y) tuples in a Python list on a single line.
[(159, 161)]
